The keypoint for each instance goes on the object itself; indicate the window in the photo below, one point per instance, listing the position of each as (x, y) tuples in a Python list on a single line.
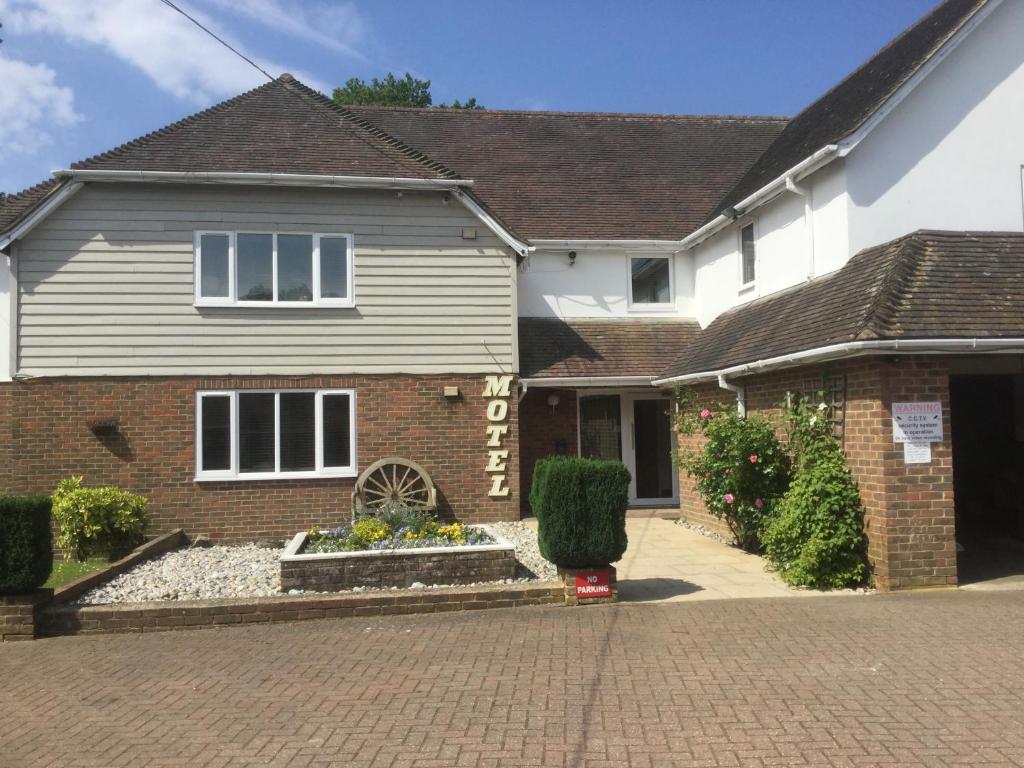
[(269, 269), (253, 435), (748, 256), (650, 280)]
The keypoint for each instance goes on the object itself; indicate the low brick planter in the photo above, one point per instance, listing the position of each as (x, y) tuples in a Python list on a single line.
[(335, 571), (198, 614), (19, 614)]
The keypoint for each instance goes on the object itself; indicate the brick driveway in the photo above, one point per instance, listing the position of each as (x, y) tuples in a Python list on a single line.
[(924, 679)]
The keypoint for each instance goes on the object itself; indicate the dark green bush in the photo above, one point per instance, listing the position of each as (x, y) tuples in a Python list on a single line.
[(817, 539), (580, 506), (26, 544)]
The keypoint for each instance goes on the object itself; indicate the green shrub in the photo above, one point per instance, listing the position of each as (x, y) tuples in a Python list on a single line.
[(580, 506), (97, 521), (368, 530), (398, 517), (740, 473), (26, 544), (817, 540)]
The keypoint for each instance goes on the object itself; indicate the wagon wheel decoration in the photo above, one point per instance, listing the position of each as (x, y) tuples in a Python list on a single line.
[(394, 481)]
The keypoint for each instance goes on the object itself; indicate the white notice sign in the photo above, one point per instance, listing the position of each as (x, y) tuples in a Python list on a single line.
[(917, 422), (917, 453)]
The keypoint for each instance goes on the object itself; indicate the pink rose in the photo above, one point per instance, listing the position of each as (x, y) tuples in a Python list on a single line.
[(758, 503), (728, 471), (705, 414), (729, 498), (753, 458)]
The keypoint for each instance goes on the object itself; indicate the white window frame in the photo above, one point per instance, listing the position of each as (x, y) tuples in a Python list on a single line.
[(234, 474), (232, 299), (669, 305), (757, 266)]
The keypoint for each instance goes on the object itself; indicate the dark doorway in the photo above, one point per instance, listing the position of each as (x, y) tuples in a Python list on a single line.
[(987, 423), (601, 427), (652, 427)]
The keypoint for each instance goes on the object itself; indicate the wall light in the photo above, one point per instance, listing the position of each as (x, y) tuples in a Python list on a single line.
[(572, 258), (553, 401)]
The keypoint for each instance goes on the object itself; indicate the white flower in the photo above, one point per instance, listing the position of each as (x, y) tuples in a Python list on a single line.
[(822, 406), (814, 420)]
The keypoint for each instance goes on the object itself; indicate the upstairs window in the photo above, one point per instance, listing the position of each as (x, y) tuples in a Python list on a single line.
[(748, 257), (650, 281), (254, 435), (270, 269)]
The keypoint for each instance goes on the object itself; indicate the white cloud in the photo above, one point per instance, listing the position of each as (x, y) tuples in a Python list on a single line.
[(32, 105), (336, 26), (176, 55)]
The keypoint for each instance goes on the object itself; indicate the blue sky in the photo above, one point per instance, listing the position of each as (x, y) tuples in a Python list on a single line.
[(79, 77)]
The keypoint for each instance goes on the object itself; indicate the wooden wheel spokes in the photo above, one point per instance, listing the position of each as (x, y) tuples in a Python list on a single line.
[(395, 481)]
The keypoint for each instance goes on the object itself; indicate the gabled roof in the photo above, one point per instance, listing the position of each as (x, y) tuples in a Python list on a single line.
[(846, 107), (578, 175), (926, 285), (280, 127), (14, 207), (584, 348)]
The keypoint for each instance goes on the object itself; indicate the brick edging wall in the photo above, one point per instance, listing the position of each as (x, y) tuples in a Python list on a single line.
[(152, 452), (157, 617)]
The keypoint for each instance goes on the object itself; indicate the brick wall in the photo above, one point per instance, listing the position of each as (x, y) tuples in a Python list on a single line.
[(691, 508), (153, 452), (545, 432), (909, 508)]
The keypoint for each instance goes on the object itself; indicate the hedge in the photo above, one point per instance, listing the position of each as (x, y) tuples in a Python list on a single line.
[(580, 506), (26, 544)]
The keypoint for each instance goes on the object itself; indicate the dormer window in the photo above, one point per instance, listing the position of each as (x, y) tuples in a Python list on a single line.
[(748, 257), (650, 281), (257, 269)]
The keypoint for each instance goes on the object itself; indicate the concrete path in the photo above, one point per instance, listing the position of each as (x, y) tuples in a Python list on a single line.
[(666, 562)]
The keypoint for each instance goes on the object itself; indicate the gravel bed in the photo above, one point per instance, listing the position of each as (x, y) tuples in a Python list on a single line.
[(707, 532), (203, 573)]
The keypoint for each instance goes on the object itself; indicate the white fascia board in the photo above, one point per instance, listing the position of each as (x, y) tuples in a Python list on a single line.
[(618, 245), (517, 245), (901, 93), (282, 179), (590, 381), (768, 192), (49, 204), (856, 349)]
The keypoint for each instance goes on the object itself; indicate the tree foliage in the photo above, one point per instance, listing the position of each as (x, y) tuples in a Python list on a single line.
[(392, 91)]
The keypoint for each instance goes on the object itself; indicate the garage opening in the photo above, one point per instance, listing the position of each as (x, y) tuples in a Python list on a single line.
[(987, 423)]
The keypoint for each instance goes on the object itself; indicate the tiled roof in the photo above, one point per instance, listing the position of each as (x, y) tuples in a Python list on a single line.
[(558, 175), (845, 107), (582, 348), (924, 285), (14, 207), (280, 127)]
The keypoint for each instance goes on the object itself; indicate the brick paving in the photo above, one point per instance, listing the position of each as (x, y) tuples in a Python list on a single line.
[(926, 679)]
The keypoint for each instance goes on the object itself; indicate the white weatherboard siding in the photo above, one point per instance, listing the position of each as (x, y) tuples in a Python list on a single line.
[(6, 317), (950, 155), (106, 286), (596, 285)]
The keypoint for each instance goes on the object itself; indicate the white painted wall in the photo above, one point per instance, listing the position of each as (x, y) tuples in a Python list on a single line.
[(950, 155), (6, 314), (783, 245), (595, 286)]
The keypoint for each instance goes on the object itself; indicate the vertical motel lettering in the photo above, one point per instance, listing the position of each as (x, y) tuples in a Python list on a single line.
[(498, 389)]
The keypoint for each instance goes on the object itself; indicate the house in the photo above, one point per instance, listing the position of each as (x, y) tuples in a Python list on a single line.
[(236, 314)]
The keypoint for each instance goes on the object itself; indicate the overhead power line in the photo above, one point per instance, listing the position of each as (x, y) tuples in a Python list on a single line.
[(220, 40)]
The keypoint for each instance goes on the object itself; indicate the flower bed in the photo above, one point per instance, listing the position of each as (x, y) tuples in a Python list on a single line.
[(373, 556)]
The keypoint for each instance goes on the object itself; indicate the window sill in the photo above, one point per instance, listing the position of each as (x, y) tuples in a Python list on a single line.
[(747, 287), (263, 476), (328, 304), (668, 307)]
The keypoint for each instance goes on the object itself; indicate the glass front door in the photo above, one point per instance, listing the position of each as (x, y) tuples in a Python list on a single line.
[(652, 440), (600, 427)]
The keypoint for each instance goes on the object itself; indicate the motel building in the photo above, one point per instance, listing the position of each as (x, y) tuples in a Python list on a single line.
[(237, 314)]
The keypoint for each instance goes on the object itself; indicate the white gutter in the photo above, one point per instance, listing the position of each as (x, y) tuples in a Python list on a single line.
[(855, 349), (503, 234), (741, 395), (589, 381), (808, 221), (805, 167), (572, 245), (27, 224), (283, 179)]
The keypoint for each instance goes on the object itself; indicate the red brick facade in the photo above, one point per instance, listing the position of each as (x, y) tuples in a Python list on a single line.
[(44, 426), (545, 431), (909, 507)]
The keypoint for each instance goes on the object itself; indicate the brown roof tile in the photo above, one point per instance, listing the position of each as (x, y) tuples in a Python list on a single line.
[(925, 285), (15, 207), (559, 175), (845, 107), (582, 348)]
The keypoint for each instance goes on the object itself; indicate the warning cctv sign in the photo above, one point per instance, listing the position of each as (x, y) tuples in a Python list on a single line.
[(917, 422)]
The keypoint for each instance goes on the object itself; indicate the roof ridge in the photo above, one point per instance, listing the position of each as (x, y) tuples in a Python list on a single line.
[(570, 113), (301, 89), (883, 307)]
